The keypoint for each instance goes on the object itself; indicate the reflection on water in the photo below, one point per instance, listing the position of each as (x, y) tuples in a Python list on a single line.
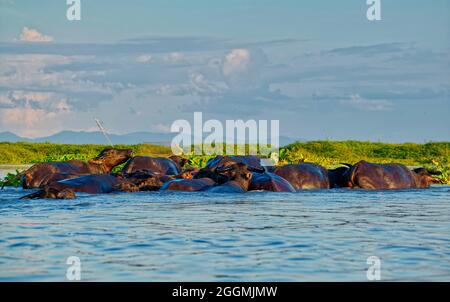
[(314, 235)]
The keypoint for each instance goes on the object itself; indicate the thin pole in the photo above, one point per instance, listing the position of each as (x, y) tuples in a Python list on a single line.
[(99, 124)]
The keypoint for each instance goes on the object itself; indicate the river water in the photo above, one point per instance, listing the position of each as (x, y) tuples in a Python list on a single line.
[(307, 236)]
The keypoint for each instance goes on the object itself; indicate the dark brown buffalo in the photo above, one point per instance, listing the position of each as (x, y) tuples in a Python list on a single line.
[(179, 161), (91, 184), (224, 161), (198, 184), (337, 177), (42, 174), (370, 176), (188, 173), (203, 179), (269, 182), (304, 176), (156, 165), (239, 176), (145, 180), (211, 173)]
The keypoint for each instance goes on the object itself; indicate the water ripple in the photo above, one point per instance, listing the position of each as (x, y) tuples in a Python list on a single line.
[(168, 236)]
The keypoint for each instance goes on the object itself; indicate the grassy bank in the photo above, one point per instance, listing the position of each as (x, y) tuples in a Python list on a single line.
[(330, 153), (29, 153), (326, 153)]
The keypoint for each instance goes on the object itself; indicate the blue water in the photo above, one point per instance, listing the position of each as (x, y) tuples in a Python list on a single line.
[(307, 236)]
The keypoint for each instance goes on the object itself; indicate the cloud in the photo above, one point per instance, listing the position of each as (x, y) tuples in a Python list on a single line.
[(242, 89), (33, 73), (197, 85), (356, 101), (242, 69), (144, 58), (154, 45), (236, 61), (31, 113), (33, 35), (174, 57), (166, 79), (32, 122), (225, 82), (48, 101), (370, 50), (165, 128)]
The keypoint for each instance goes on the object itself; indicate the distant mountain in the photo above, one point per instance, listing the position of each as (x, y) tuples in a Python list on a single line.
[(96, 137), (11, 137)]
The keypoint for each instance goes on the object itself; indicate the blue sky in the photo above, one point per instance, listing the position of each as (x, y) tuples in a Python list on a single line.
[(320, 67)]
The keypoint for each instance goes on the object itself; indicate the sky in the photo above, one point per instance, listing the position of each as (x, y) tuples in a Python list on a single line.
[(319, 67)]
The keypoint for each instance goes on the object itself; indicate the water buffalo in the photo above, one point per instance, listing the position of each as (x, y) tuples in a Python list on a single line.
[(269, 182), (145, 180), (201, 180), (91, 184), (189, 173), (304, 176), (179, 161), (337, 177), (370, 176), (198, 184), (220, 160), (157, 165), (213, 174), (42, 174), (239, 176)]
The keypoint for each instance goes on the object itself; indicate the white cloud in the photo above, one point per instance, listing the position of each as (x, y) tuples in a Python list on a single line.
[(33, 113), (146, 58), (174, 57), (235, 80), (33, 35), (242, 69), (236, 60), (160, 127), (204, 87), (48, 101), (358, 102), (197, 85)]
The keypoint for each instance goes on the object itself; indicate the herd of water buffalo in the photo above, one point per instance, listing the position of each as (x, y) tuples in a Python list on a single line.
[(222, 174)]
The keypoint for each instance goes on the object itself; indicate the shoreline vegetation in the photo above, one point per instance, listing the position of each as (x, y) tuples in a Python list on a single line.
[(434, 155)]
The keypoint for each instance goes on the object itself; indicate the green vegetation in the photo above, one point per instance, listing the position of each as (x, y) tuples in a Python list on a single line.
[(29, 153), (11, 180), (329, 153), (435, 156)]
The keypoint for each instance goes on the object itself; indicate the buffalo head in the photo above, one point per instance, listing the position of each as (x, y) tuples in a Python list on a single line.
[(179, 161), (212, 174), (340, 177), (424, 177), (240, 173), (110, 157)]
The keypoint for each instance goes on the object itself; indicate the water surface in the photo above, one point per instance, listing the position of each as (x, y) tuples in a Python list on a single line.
[(307, 236)]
